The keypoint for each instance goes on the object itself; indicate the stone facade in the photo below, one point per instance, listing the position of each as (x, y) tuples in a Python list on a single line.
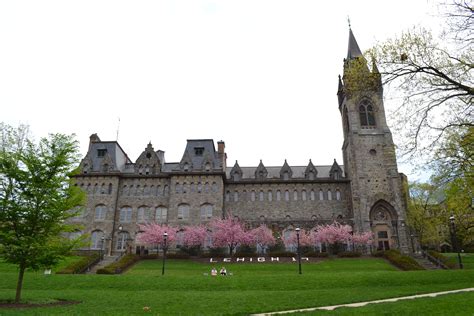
[(367, 192)]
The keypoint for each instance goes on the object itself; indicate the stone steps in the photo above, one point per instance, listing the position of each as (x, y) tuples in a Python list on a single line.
[(425, 263), (104, 262)]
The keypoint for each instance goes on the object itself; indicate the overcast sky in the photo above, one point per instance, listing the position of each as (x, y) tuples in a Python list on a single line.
[(260, 75)]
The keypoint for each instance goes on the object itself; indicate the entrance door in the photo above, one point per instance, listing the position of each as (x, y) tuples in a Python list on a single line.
[(382, 240)]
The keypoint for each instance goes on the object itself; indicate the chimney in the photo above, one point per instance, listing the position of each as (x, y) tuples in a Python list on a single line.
[(222, 154)]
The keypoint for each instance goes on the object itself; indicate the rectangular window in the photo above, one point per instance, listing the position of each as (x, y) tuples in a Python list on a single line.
[(382, 234), (198, 151), (101, 152)]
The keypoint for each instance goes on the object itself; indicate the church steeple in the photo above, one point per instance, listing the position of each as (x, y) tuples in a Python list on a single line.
[(353, 49)]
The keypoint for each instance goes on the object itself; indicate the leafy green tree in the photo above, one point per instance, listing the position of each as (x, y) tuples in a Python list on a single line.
[(424, 212), (432, 77), (35, 199)]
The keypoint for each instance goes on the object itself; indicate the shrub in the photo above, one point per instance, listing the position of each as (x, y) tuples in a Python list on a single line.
[(401, 261), (315, 254), (349, 254), (120, 265), (80, 265), (214, 253), (192, 251), (445, 260), (246, 251)]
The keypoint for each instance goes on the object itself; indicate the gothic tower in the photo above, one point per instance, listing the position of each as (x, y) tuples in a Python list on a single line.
[(377, 189)]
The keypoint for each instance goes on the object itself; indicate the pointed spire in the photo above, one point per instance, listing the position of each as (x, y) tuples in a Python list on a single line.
[(353, 49), (285, 171)]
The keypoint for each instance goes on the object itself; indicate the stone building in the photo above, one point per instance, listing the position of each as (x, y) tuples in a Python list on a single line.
[(366, 192)]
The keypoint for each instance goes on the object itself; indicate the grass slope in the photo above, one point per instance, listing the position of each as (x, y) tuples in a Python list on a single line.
[(253, 288)]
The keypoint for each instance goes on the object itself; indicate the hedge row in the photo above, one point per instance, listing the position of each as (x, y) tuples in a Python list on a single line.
[(349, 254), (80, 265), (445, 260), (401, 261), (120, 265)]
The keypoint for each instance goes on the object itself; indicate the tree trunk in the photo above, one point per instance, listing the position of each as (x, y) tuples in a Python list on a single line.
[(19, 283)]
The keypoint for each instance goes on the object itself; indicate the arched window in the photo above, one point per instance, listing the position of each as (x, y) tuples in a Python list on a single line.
[(236, 196), (96, 188), (122, 239), (329, 195), (146, 190), (144, 214), (178, 187), (166, 190), (338, 195), (96, 239), (207, 187), (138, 191), (100, 212), (366, 114), (125, 214), (185, 187), (286, 175), (214, 187), (313, 195), (158, 190), (110, 188), (295, 195), (278, 195), (261, 196), (102, 188), (321, 195), (287, 195), (161, 214), (303, 195), (199, 187), (270, 195), (252, 195), (227, 196), (183, 211), (206, 211)]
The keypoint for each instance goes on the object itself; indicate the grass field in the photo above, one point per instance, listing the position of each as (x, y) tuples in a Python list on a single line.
[(252, 288), (466, 258)]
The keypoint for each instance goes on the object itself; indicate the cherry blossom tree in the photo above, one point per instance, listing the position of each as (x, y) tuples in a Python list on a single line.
[(194, 236), (229, 233), (262, 237), (333, 234), (363, 239), (291, 239), (152, 235)]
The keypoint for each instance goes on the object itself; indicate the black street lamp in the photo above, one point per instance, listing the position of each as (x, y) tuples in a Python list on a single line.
[(298, 250), (454, 239), (165, 237)]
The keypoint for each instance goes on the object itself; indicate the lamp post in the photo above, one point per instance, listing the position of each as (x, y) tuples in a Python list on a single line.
[(454, 239), (102, 247), (298, 248), (165, 237)]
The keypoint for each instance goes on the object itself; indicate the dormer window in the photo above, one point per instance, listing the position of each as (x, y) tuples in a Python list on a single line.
[(198, 151), (101, 152)]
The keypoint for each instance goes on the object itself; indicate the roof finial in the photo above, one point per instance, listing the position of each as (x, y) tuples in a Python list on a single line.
[(349, 21)]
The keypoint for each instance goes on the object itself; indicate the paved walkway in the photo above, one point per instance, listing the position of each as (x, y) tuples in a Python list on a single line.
[(330, 308)]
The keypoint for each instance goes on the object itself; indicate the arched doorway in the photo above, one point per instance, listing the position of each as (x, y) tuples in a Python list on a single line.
[(383, 219)]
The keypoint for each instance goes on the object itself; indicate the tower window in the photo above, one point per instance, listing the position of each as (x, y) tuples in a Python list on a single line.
[(198, 151), (101, 152), (366, 114)]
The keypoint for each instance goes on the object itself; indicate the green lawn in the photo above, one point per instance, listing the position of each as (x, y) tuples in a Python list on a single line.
[(252, 288), (466, 258)]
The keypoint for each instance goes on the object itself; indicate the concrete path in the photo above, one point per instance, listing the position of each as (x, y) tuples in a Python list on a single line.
[(395, 299)]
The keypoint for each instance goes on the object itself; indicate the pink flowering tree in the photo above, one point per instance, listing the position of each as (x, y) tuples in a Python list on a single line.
[(290, 241), (362, 239), (152, 235), (230, 233), (333, 235), (194, 236), (262, 237)]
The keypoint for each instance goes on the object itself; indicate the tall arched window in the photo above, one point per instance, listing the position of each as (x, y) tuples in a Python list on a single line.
[(270, 195), (261, 196), (295, 195), (100, 212), (227, 196), (110, 188), (122, 240), (321, 195), (236, 196), (207, 187), (338, 195), (206, 211), (287, 195), (313, 195), (366, 114), (183, 211), (161, 214), (252, 195), (125, 214), (329, 195), (144, 214), (278, 195), (303, 195), (96, 239)]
